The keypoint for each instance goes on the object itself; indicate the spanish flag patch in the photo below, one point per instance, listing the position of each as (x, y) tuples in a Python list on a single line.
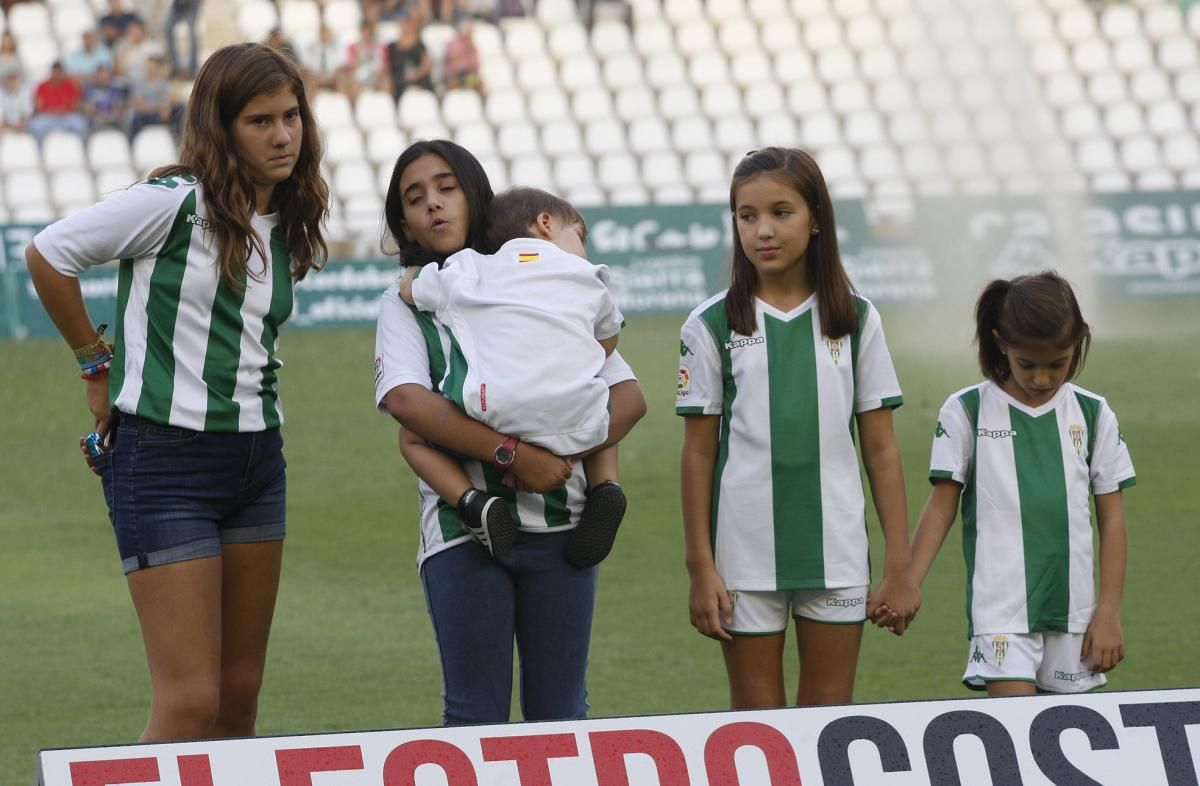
[(527, 257)]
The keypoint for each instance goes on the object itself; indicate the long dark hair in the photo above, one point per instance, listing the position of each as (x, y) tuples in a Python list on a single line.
[(229, 79), (471, 179), (1034, 308), (798, 171)]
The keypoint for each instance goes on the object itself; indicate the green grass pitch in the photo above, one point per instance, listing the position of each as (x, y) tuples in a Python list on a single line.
[(352, 647)]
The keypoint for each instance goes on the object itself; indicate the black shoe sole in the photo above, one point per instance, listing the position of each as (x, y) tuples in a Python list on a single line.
[(501, 529), (590, 542)]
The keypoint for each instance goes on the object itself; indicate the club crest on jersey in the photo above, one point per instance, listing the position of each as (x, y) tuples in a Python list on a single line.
[(683, 383), (530, 256), (835, 348), (1000, 648), (1076, 432), (378, 367)]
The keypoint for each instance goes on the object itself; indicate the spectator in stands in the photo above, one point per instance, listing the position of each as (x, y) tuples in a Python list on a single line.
[(366, 63), (90, 57), (57, 105), (104, 100), (323, 59), (487, 10), (16, 104), (150, 98), (277, 41), (391, 10), (409, 61), (135, 51), (9, 59), (115, 23), (460, 63), (184, 11)]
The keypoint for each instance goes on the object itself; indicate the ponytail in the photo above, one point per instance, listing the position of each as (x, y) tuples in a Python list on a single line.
[(1039, 308), (989, 312)]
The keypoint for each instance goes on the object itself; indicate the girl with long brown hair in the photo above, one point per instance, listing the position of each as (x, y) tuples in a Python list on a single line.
[(185, 399), (774, 376)]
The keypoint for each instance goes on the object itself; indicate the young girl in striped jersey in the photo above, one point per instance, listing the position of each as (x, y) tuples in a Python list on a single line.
[(187, 394), (1023, 451), (774, 375)]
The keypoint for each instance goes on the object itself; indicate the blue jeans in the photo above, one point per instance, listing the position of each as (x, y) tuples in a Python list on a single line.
[(187, 15), (174, 494), (479, 604)]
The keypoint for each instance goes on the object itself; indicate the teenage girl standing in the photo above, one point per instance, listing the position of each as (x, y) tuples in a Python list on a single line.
[(187, 394), (1033, 447), (775, 374)]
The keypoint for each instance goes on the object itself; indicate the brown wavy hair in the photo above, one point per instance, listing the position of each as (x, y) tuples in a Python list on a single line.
[(1035, 308), (827, 277), (229, 79)]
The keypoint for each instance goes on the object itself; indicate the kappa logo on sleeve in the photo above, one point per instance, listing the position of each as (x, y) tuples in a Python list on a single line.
[(940, 431), (684, 349)]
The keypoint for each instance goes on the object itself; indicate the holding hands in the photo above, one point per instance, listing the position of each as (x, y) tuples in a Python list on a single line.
[(894, 602)]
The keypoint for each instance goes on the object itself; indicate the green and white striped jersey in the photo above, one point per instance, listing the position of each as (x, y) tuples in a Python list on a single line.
[(788, 509), (1027, 475), (411, 347), (190, 351)]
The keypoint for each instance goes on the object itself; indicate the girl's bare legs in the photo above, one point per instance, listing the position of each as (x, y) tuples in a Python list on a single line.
[(754, 665), (828, 662), (1011, 688), (205, 624)]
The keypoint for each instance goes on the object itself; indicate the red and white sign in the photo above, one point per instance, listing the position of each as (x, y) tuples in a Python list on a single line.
[(1141, 738)]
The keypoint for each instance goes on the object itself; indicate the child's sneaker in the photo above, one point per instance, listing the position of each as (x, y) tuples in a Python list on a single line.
[(488, 521), (591, 541)]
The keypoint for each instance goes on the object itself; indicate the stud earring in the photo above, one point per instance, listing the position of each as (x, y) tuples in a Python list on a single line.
[(815, 229)]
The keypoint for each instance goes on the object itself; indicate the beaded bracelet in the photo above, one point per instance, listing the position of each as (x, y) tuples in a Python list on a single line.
[(97, 371), (95, 358)]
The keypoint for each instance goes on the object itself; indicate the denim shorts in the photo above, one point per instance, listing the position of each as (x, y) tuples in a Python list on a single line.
[(174, 494)]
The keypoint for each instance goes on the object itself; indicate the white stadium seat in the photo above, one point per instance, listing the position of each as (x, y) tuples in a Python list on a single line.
[(532, 169), (548, 104), (151, 148), (505, 105), (567, 40), (561, 137), (591, 103), (517, 139), (107, 148), (385, 144), (649, 135), (604, 135), (343, 145), (62, 150), (478, 137), (416, 108), (375, 109), (72, 188)]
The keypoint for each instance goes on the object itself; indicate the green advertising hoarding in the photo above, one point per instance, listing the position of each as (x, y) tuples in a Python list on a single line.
[(671, 258)]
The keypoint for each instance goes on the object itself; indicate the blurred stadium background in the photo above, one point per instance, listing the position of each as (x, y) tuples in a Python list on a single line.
[(961, 139)]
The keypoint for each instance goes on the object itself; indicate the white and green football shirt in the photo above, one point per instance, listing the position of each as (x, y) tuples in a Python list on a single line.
[(1027, 475), (788, 508), (190, 351), (411, 347)]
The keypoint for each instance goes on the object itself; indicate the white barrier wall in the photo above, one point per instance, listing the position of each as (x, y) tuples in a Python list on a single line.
[(1142, 738)]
